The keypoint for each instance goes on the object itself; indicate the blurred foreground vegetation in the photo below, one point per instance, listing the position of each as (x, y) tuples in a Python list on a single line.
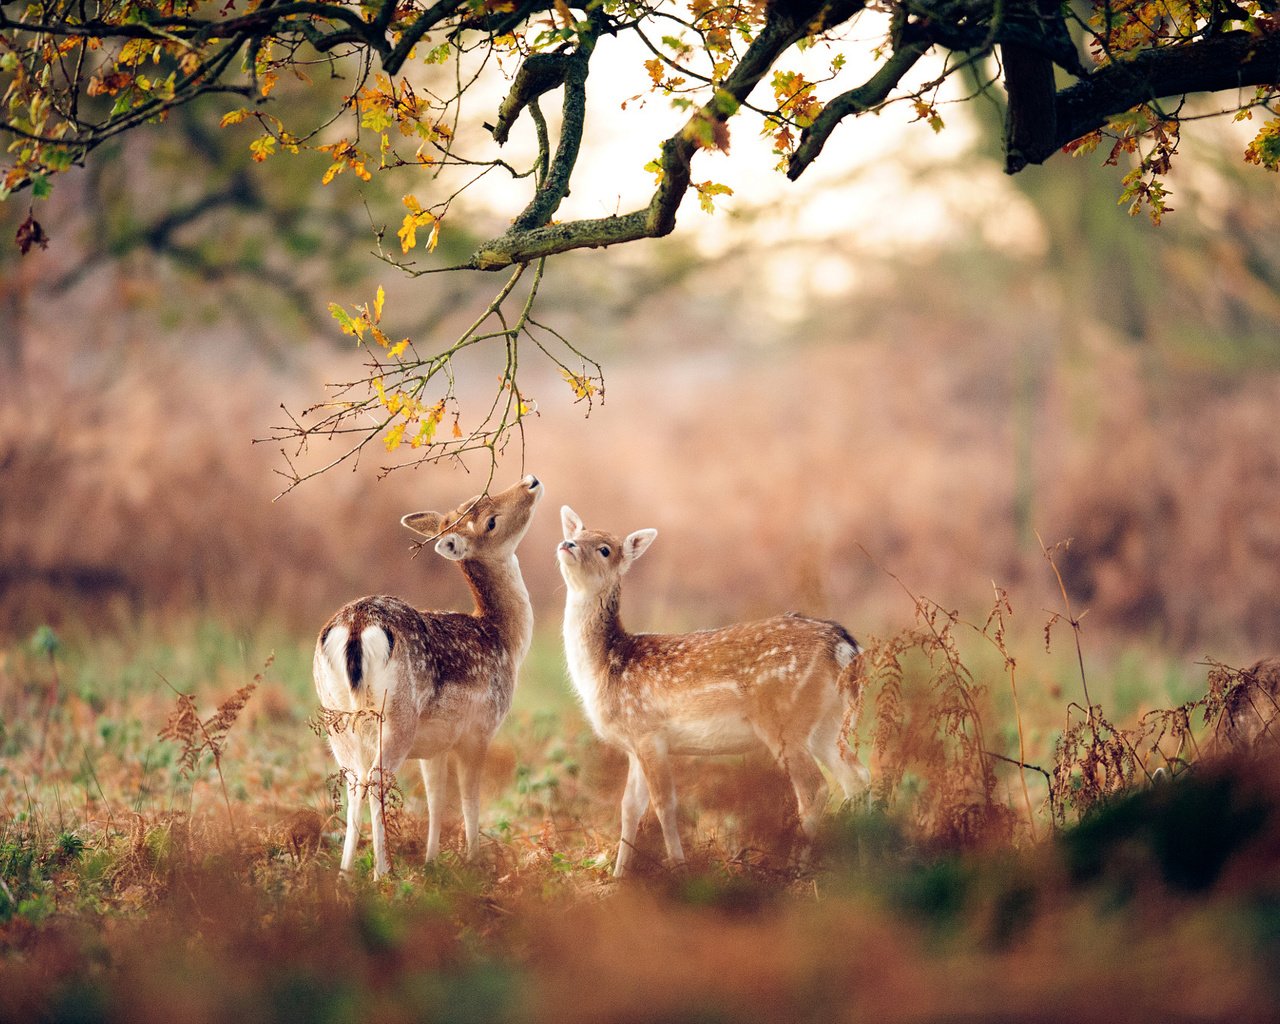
[(130, 891)]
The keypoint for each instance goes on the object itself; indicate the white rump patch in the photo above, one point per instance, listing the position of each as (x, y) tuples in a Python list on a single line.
[(335, 648), (376, 647), (845, 653)]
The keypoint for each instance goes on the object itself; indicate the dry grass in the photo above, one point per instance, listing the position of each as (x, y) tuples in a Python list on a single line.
[(127, 894)]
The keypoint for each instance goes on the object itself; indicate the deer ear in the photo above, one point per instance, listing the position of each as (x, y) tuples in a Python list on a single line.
[(636, 545), (428, 524), (453, 546), (570, 522)]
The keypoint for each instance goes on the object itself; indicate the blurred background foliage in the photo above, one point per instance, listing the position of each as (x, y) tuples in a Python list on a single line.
[(780, 403)]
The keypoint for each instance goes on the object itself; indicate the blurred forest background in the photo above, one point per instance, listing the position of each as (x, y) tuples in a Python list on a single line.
[(981, 360)]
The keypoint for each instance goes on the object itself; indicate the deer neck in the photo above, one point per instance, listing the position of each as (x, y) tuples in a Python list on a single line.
[(502, 600), (593, 632)]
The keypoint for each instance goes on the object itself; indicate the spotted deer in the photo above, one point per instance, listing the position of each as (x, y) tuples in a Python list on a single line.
[(786, 683), (402, 684)]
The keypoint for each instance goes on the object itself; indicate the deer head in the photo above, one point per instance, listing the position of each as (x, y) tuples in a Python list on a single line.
[(593, 562), (486, 527)]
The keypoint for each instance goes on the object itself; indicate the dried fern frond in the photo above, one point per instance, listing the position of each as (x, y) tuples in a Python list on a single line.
[(333, 722), (219, 724), (183, 727)]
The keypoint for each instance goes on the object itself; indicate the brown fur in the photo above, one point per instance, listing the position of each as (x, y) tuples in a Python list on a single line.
[(787, 683), (432, 685)]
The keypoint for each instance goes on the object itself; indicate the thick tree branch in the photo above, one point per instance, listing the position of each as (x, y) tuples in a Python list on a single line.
[(539, 73), (1031, 117), (1232, 61), (555, 186), (260, 22)]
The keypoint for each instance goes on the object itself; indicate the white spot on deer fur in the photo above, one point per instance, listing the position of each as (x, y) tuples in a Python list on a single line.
[(845, 653)]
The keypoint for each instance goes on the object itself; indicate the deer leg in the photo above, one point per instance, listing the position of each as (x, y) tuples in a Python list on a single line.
[(377, 790), (470, 761), (353, 819), (810, 787), (393, 748), (435, 776), (827, 743), (635, 801), (785, 722), (662, 787)]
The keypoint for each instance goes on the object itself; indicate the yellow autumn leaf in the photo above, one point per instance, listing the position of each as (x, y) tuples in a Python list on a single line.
[(262, 148), (583, 387), (411, 201), (379, 298), (434, 238), (394, 436), (427, 430), (233, 117), (408, 233), (398, 347)]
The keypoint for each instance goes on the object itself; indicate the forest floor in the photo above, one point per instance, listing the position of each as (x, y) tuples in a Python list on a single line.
[(141, 878)]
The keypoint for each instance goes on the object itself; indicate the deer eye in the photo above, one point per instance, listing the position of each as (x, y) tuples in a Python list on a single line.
[(603, 551), (493, 521)]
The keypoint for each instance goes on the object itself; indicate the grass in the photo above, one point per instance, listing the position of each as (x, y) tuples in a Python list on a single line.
[(129, 890)]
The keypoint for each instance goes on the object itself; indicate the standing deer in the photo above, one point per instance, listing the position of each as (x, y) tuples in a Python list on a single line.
[(430, 684), (787, 683)]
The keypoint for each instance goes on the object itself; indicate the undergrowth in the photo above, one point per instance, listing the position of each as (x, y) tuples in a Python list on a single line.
[(172, 851)]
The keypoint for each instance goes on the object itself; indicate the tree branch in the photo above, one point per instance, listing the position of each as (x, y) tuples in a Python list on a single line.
[(539, 73), (1031, 117), (259, 22), (865, 97), (555, 185), (786, 25), (429, 18), (1231, 61)]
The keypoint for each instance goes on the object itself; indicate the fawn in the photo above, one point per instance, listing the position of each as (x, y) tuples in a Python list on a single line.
[(430, 684), (787, 683)]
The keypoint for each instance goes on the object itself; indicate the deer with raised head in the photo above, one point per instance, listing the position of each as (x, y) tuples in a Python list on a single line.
[(786, 683), (404, 684)]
